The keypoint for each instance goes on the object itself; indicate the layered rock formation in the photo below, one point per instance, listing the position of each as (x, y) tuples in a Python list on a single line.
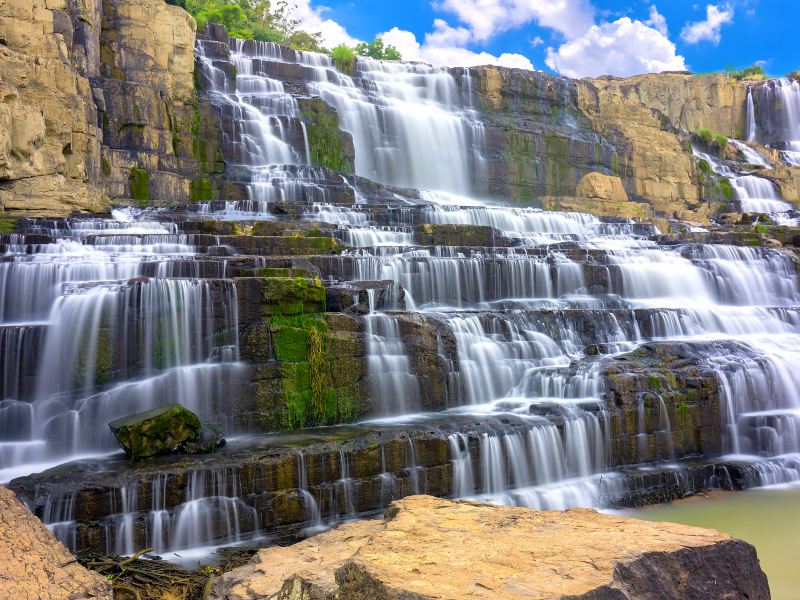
[(431, 548), (35, 564), (100, 108), (99, 105)]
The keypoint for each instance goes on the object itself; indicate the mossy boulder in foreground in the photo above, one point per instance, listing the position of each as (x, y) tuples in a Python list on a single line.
[(167, 429)]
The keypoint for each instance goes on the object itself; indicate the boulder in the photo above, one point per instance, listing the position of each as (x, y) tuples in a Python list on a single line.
[(35, 564), (158, 431), (602, 187), (431, 548), (208, 440)]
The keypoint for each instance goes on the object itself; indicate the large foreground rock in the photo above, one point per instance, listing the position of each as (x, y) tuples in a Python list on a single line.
[(33, 564), (432, 548)]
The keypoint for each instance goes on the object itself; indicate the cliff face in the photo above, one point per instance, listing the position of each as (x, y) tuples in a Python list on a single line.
[(544, 134), (98, 104), (49, 139)]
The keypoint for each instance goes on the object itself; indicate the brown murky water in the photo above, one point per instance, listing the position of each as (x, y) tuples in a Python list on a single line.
[(767, 518)]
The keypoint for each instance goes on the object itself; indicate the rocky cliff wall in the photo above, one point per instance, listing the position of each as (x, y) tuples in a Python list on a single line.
[(99, 106)]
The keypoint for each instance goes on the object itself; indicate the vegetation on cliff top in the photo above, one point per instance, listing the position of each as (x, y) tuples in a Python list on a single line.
[(752, 72), (253, 20), (345, 56)]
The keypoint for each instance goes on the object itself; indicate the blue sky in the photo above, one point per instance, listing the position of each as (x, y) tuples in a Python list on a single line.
[(572, 37)]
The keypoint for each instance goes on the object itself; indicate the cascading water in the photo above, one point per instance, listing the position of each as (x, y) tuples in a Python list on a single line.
[(773, 117), (122, 343), (135, 313), (752, 193)]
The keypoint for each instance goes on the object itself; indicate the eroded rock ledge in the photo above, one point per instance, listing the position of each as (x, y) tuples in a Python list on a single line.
[(432, 548)]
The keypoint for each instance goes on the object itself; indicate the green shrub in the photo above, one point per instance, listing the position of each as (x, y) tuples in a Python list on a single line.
[(752, 72), (721, 141), (703, 165), (345, 59), (706, 135)]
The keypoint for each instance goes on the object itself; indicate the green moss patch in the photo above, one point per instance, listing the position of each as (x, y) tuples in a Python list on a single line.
[(139, 183)]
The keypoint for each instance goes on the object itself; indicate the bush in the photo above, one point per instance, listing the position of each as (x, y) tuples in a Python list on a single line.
[(706, 135), (345, 59), (752, 72), (711, 138)]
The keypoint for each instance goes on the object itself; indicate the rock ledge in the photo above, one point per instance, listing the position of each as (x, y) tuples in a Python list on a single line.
[(433, 548)]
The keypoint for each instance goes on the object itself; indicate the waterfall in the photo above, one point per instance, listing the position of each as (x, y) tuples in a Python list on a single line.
[(777, 121), (751, 116), (514, 314), (752, 193)]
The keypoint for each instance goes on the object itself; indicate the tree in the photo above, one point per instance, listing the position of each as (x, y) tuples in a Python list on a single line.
[(378, 50), (254, 19)]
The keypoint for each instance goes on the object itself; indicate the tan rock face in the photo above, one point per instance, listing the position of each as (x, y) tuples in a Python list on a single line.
[(433, 548), (35, 564), (69, 144), (601, 187)]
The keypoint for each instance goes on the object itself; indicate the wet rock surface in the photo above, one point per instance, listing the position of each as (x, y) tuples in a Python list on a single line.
[(432, 548), (158, 431)]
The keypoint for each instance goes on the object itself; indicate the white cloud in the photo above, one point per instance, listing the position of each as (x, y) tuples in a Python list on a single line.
[(486, 18), (312, 20), (708, 30), (537, 41), (623, 47), (441, 48), (444, 46), (657, 21)]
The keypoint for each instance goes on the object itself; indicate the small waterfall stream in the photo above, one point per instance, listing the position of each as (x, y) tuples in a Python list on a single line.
[(773, 117)]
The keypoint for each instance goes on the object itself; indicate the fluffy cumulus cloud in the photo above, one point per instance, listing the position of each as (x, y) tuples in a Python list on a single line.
[(657, 21), (313, 20), (623, 47), (444, 46), (486, 18), (708, 30)]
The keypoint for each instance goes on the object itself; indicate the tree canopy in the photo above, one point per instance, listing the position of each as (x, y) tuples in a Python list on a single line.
[(254, 20), (378, 50)]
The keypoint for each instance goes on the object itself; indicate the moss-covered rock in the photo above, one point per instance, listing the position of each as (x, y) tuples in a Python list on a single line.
[(328, 145), (139, 184), (158, 431), (431, 234)]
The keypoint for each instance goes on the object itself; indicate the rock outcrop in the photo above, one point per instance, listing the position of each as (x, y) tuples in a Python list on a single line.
[(601, 187), (431, 548), (99, 106), (35, 564)]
